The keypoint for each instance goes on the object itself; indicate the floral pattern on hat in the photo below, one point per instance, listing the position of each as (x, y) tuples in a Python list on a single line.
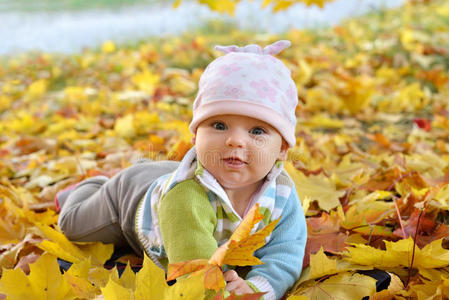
[(234, 92), (264, 89), (228, 69)]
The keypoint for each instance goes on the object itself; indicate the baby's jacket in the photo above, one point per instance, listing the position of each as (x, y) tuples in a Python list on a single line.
[(186, 215)]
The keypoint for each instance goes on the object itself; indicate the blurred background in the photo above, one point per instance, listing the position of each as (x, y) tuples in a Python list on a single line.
[(87, 87), (67, 26)]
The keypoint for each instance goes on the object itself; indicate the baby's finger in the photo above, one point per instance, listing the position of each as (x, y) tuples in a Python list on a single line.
[(232, 286), (230, 275)]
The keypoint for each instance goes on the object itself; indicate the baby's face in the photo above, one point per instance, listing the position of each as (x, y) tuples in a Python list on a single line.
[(238, 151)]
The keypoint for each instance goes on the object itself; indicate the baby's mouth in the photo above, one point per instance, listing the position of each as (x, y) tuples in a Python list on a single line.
[(234, 161)]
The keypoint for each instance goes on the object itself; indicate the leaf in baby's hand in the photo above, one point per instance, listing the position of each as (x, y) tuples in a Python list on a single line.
[(238, 251), (241, 253), (213, 278), (178, 269), (251, 219), (241, 233)]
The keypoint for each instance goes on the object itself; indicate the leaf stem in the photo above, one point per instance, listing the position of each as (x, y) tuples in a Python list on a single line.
[(414, 245), (399, 216)]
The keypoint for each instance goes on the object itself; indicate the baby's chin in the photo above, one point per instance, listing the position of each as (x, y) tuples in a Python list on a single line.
[(236, 183)]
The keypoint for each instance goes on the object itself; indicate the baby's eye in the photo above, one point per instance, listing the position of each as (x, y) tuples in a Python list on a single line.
[(219, 126), (257, 131)]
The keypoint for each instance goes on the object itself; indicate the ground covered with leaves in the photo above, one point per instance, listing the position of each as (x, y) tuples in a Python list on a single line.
[(371, 162)]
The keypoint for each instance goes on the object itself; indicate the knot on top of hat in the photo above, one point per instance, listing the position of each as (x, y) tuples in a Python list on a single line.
[(272, 49)]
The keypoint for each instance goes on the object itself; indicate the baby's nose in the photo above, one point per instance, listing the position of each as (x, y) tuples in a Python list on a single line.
[(236, 138)]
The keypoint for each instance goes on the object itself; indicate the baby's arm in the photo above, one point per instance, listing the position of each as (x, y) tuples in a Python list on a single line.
[(187, 222), (283, 254)]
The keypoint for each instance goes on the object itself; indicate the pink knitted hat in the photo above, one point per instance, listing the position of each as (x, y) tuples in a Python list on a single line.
[(249, 81)]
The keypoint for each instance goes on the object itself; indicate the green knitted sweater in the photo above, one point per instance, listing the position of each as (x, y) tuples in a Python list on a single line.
[(187, 205)]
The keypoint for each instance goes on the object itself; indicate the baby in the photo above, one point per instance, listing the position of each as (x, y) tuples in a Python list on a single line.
[(243, 124)]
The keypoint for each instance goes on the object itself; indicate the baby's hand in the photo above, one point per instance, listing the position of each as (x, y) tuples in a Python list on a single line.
[(236, 284)]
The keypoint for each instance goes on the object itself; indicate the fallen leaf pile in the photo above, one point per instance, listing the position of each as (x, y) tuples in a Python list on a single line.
[(371, 163)]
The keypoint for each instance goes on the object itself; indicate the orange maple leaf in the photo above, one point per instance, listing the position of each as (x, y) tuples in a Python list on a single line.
[(238, 251)]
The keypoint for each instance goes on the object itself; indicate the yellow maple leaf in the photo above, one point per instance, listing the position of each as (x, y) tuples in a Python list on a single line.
[(15, 284), (44, 282), (127, 279), (347, 285), (321, 265), (99, 276), (348, 172), (151, 284), (48, 217), (83, 281), (240, 253), (361, 218), (366, 255), (82, 288), (400, 253), (60, 246), (115, 291), (438, 289), (432, 255), (319, 188)]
